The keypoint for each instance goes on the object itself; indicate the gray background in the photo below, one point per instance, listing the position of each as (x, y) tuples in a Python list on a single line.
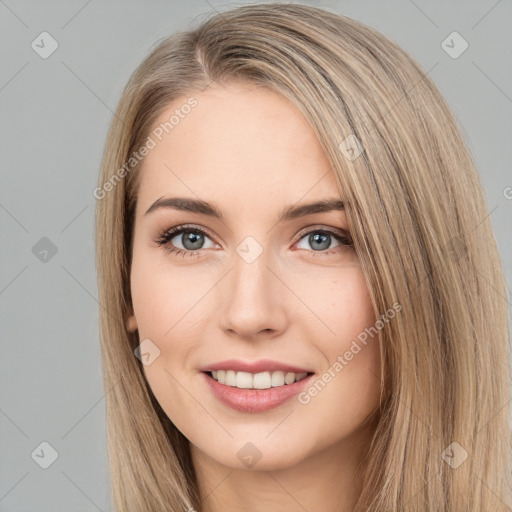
[(55, 113)]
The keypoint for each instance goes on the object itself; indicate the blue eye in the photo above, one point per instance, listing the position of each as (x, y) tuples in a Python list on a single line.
[(193, 240), (320, 239)]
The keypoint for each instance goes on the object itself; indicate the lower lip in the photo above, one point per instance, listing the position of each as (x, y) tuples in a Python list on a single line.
[(255, 400)]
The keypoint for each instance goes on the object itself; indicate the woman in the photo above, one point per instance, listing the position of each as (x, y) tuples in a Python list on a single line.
[(300, 287)]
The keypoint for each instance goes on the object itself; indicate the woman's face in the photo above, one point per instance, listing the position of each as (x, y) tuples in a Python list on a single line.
[(263, 285)]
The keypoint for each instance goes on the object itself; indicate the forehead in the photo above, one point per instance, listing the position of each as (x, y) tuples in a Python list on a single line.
[(240, 142)]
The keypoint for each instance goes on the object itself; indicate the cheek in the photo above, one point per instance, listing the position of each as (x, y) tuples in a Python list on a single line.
[(160, 296), (351, 351), (339, 306), (160, 304), (357, 339), (351, 308), (163, 305)]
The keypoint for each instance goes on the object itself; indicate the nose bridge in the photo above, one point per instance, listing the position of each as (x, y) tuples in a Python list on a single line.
[(250, 276), (252, 302)]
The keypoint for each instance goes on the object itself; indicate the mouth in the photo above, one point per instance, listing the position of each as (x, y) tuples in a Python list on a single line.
[(257, 381), (255, 393)]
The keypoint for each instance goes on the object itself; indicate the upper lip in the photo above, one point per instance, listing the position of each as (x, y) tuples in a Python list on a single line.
[(262, 365)]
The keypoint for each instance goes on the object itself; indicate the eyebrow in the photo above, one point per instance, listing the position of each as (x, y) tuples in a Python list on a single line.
[(205, 208)]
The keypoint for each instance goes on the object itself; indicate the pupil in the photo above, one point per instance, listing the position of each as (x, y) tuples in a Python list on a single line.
[(317, 238), (192, 240)]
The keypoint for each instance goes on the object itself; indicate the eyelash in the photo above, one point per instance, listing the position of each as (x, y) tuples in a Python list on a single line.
[(166, 236)]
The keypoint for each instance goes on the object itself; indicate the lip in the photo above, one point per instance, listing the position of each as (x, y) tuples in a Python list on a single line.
[(254, 400), (262, 365)]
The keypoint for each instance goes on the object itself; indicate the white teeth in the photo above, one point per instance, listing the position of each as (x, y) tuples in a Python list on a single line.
[(277, 379), (243, 380), (289, 378), (263, 380), (230, 378)]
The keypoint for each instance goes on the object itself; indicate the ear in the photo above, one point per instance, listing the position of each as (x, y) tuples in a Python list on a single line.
[(131, 323)]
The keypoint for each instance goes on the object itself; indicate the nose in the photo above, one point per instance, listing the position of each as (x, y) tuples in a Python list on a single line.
[(253, 299)]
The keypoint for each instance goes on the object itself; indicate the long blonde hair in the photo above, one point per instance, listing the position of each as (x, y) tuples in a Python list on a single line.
[(420, 225)]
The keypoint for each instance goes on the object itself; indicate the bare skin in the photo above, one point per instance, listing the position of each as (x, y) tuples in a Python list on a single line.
[(248, 151)]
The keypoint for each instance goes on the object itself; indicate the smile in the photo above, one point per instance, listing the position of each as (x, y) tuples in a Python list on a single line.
[(262, 380), (251, 398)]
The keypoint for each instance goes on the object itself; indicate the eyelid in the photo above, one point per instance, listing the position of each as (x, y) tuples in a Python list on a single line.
[(323, 227), (191, 227)]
